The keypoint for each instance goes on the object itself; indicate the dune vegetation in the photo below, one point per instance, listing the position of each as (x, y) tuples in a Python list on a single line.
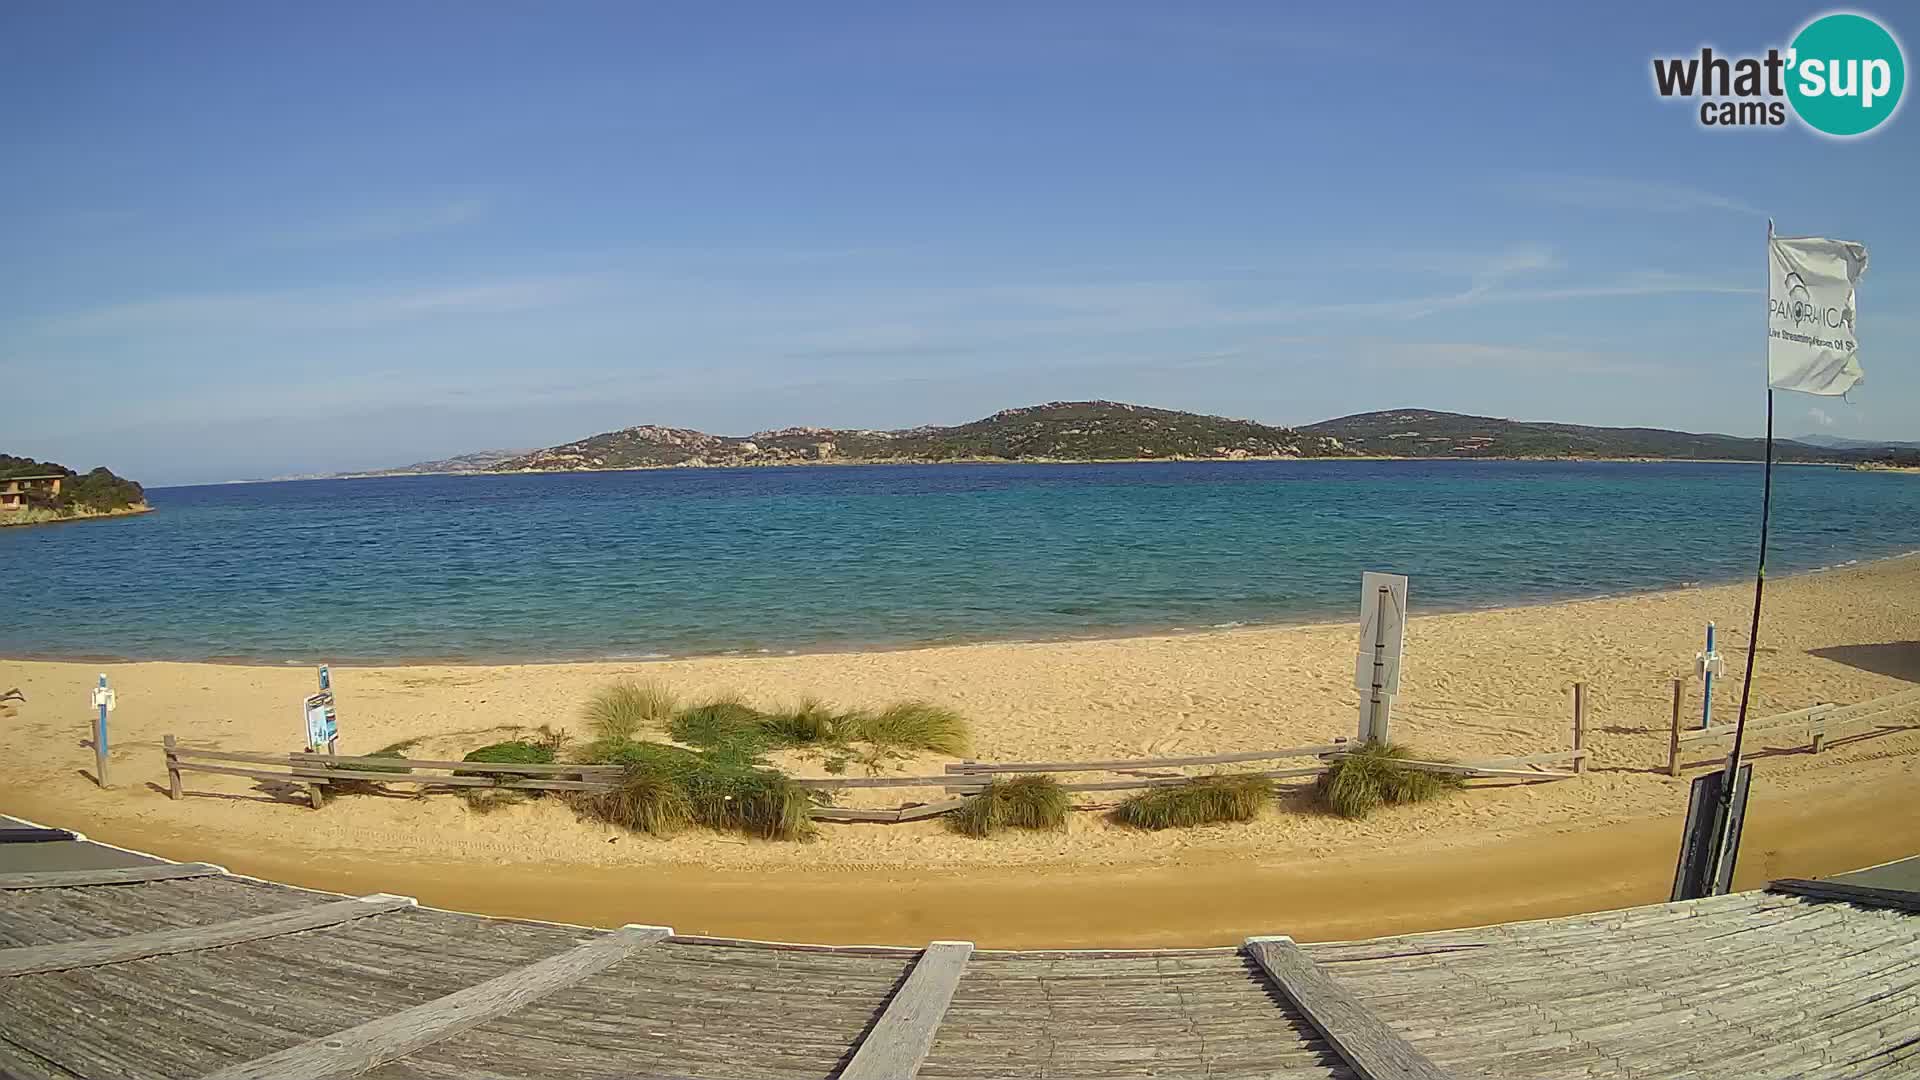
[(1020, 802), (706, 764), (1371, 776), (1204, 800)]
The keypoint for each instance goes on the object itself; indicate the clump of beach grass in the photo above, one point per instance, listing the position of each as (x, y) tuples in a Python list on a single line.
[(727, 723), (511, 752), (912, 725), (1020, 802), (808, 722), (1371, 776), (665, 787), (1204, 800), (723, 725), (646, 801), (756, 801), (623, 709)]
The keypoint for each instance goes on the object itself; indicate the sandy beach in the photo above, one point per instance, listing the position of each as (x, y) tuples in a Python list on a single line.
[(1477, 685)]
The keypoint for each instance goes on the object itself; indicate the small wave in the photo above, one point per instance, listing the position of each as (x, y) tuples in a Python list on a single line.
[(1226, 625)]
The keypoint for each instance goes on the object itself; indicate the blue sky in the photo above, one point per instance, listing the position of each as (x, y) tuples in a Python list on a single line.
[(249, 240)]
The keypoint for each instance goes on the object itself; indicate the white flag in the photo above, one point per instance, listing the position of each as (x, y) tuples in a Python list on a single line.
[(1811, 345)]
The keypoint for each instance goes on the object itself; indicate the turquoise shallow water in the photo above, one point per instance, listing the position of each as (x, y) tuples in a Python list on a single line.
[(703, 561)]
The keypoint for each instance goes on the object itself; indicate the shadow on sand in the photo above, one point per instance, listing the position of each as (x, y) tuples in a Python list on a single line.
[(1900, 659)]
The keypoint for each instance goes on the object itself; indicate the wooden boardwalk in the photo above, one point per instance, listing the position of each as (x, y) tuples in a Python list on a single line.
[(147, 975)]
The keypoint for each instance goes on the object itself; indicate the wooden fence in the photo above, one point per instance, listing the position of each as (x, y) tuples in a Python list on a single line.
[(1820, 723), (959, 781), (316, 771)]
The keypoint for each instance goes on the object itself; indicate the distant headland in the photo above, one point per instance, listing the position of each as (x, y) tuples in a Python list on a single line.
[(40, 492), (1095, 431)]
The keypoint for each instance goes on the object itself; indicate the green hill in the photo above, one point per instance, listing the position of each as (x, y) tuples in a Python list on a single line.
[(1057, 431), (1115, 431), (1426, 433)]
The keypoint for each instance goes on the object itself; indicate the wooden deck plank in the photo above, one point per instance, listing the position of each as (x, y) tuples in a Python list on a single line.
[(899, 1043), (126, 875), (1361, 1039), (39, 958), (1863, 895), (31, 917), (356, 1050)]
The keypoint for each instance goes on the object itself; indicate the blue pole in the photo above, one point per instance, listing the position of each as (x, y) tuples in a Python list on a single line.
[(100, 737), (1706, 695)]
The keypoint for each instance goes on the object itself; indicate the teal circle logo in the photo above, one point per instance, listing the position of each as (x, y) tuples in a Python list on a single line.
[(1845, 75)]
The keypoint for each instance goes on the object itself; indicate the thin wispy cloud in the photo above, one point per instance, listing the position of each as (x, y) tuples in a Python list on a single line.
[(1522, 359), (1617, 193), (1820, 416), (383, 224), (925, 323), (319, 309)]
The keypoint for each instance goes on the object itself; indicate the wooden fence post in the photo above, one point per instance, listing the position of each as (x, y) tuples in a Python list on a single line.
[(1673, 740), (1818, 722), (173, 770), (315, 798), (1579, 726)]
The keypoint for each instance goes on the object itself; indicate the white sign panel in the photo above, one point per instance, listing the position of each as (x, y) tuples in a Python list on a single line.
[(321, 726), (1811, 344), (1383, 619)]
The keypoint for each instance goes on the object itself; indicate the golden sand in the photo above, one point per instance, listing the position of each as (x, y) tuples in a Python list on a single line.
[(1480, 684)]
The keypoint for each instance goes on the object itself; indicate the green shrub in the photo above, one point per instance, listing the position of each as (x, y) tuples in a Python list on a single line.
[(1023, 802), (912, 725), (713, 788), (808, 723), (1370, 776), (759, 802), (646, 801), (628, 752), (724, 726), (1202, 801), (835, 765), (511, 752), (623, 709)]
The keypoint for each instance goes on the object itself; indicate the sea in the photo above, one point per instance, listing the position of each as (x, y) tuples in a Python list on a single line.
[(678, 562)]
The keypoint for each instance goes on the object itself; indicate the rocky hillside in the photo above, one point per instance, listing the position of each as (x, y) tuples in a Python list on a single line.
[(1425, 433), (89, 494), (1057, 431), (478, 461)]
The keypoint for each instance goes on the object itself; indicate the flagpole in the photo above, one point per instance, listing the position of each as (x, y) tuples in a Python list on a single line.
[(1753, 634), (1732, 775)]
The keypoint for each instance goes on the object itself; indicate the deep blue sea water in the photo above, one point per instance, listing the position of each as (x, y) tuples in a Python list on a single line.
[(701, 561)]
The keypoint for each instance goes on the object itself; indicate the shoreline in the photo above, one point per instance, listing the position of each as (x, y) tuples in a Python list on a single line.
[(1108, 634), (1479, 684), (19, 519), (866, 463)]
